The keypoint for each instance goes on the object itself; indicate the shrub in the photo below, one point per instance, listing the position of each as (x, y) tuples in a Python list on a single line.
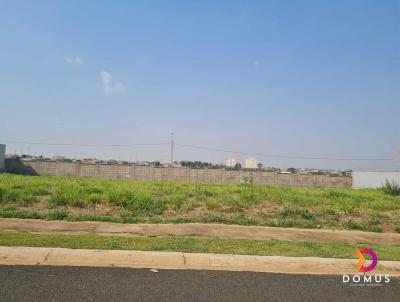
[(190, 205), (209, 217), (235, 204), (57, 215), (306, 214), (94, 198), (177, 201), (391, 188), (93, 218), (249, 197), (140, 202), (2, 192), (128, 218), (207, 192), (66, 196), (35, 191), (248, 180), (335, 194), (120, 198), (288, 212), (353, 225), (21, 214), (11, 195), (287, 223), (212, 204), (146, 203), (363, 226), (27, 200), (242, 220), (180, 220), (294, 213), (91, 190)]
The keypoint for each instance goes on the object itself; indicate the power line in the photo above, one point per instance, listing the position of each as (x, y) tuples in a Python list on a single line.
[(282, 156), (172, 147), (200, 148), (83, 145)]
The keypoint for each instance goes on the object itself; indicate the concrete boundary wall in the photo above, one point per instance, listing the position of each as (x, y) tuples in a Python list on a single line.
[(2, 157), (182, 174), (373, 179)]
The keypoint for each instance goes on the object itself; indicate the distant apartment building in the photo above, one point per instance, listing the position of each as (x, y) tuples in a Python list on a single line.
[(251, 163), (232, 162), (164, 162), (86, 160)]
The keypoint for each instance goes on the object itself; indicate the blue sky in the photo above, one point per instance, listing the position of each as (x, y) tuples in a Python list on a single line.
[(302, 78)]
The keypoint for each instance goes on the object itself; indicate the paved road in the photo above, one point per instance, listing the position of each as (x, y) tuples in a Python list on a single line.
[(51, 283)]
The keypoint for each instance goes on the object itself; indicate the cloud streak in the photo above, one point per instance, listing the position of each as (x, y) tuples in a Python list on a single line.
[(108, 84), (73, 61)]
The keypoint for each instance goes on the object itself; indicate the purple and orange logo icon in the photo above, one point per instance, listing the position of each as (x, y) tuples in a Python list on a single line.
[(361, 260)]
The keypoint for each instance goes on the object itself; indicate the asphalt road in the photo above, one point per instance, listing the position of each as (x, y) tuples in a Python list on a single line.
[(51, 283)]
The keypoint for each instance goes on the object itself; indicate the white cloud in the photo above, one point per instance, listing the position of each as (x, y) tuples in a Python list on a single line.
[(109, 86), (73, 61)]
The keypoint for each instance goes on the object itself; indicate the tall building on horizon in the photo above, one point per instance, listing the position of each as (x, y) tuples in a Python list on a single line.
[(251, 163), (232, 162)]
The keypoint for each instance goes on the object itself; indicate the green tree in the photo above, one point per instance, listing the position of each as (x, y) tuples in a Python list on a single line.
[(237, 167)]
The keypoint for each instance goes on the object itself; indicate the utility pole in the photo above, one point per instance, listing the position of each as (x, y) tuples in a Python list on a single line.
[(172, 148)]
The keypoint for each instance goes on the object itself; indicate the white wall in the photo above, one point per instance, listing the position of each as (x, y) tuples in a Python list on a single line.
[(2, 156), (373, 179)]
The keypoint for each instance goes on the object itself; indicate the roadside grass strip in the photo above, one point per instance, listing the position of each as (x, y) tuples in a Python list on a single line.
[(126, 201), (194, 245)]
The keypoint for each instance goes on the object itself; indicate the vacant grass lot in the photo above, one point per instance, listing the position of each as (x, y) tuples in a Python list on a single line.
[(193, 245), (166, 202)]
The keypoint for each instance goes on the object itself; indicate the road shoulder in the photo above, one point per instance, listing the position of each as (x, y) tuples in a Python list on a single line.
[(178, 260)]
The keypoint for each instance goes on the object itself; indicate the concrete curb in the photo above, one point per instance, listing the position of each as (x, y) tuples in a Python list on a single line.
[(198, 230), (177, 260)]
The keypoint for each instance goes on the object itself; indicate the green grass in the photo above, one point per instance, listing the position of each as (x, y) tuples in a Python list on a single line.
[(193, 245), (146, 201)]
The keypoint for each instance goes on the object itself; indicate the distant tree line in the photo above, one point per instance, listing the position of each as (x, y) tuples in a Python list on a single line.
[(199, 164)]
